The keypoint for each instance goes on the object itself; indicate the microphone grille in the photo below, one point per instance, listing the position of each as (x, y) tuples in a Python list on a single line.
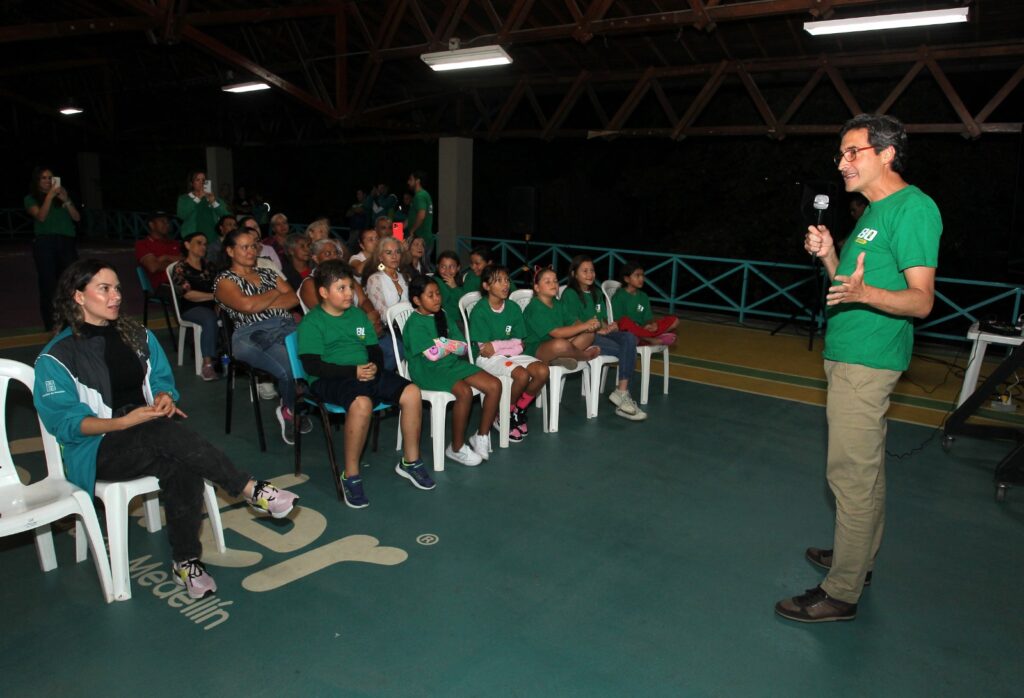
[(821, 202)]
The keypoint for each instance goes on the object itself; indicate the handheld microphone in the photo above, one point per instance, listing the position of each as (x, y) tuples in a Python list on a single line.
[(820, 204)]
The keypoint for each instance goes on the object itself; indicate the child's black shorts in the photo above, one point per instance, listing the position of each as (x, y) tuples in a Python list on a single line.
[(386, 386)]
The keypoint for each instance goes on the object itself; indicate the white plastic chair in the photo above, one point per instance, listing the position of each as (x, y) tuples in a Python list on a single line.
[(185, 325), (556, 374), (116, 496), (35, 506), (646, 352), (396, 316), (298, 292)]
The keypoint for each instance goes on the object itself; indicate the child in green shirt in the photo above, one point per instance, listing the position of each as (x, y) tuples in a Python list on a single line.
[(498, 332), (632, 309), (344, 364), (552, 335), (434, 348)]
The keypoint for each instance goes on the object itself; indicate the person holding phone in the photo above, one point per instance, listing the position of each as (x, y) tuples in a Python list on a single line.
[(54, 247), (199, 209)]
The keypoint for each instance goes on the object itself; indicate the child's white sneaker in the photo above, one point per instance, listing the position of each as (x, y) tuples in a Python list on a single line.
[(464, 455), (481, 445)]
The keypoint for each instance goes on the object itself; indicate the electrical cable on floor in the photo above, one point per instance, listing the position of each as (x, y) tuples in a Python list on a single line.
[(951, 367)]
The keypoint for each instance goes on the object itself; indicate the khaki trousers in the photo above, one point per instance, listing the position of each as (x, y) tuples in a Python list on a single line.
[(858, 398)]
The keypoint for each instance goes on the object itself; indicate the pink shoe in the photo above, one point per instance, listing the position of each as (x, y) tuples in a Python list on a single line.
[(668, 339), (270, 500)]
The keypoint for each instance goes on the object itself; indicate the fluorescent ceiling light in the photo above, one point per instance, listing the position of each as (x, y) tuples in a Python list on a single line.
[(70, 110), (240, 87), (897, 21), (462, 58)]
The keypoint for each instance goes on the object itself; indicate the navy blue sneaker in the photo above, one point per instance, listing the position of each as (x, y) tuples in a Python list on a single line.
[(352, 489), (416, 473)]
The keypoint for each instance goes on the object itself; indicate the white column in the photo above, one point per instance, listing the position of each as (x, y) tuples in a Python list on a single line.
[(454, 200), (221, 171)]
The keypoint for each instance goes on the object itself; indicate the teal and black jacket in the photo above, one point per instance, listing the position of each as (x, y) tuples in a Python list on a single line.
[(73, 382)]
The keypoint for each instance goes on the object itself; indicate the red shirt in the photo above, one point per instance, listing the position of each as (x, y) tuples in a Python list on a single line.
[(157, 248)]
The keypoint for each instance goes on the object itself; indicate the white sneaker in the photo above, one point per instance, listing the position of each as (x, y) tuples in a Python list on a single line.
[(628, 408), (617, 397), (464, 455), (266, 391), (481, 445)]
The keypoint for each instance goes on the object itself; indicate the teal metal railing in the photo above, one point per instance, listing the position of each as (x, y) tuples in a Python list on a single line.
[(743, 288), (750, 289)]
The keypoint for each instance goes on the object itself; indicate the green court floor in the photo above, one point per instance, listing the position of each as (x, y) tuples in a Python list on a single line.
[(610, 559)]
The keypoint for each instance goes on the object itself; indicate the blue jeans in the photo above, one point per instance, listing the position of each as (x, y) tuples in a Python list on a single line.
[(206, 319), (261, 345), (621, 345)]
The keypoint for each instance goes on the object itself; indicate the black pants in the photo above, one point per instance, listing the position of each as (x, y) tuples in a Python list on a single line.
[(52, 254), (180, 459)]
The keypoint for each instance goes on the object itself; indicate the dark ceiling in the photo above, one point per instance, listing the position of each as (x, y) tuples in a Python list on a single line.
[(349, 70)]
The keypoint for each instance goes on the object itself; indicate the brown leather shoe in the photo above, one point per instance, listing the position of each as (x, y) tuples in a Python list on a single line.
[(823, 558), (815, 606)]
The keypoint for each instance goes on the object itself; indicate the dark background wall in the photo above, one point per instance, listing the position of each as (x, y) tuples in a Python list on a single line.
[(730, 197)]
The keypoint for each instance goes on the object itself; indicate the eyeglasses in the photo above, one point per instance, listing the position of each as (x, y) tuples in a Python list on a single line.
[(254, 246), (850, 154)]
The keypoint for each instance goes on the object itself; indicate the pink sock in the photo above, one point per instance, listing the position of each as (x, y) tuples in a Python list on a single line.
[(524, 401)]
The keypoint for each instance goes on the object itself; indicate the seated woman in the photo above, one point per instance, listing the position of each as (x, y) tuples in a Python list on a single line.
[(416, 262), (104, 389), (258, 302), (318, 230), (386, 285), (193, 285), (367, 247), (327, 250), (296, 263)]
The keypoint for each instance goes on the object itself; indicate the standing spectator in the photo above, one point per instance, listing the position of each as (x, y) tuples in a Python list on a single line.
[(243, 205), (420, 222), (357, 216), (54, 247), (193, 283), (199, 209), (157, 251), (278, 238)]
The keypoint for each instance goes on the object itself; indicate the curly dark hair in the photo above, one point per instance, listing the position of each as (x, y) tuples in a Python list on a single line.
[(68, 313)]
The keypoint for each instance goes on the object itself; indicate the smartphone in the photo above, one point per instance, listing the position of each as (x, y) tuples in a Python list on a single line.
[(55, 180), (398, 230), (208, 186)]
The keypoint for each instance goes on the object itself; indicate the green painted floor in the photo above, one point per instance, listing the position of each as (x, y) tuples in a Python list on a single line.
[(612, 558)]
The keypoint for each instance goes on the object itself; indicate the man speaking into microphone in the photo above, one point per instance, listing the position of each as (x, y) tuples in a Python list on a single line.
[(883, 279)]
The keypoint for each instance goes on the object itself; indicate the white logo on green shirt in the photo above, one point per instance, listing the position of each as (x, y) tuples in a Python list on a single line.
[(508, 330), (865, 236), (361, 333)]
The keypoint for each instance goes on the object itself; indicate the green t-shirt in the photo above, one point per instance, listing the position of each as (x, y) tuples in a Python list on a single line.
[(200, 216), (421, 201), (58, 220), (488, 325), (586, 308), (635, 306), (540, 320), (450, 297), (340, 340), (899, 232), (418, 335)]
